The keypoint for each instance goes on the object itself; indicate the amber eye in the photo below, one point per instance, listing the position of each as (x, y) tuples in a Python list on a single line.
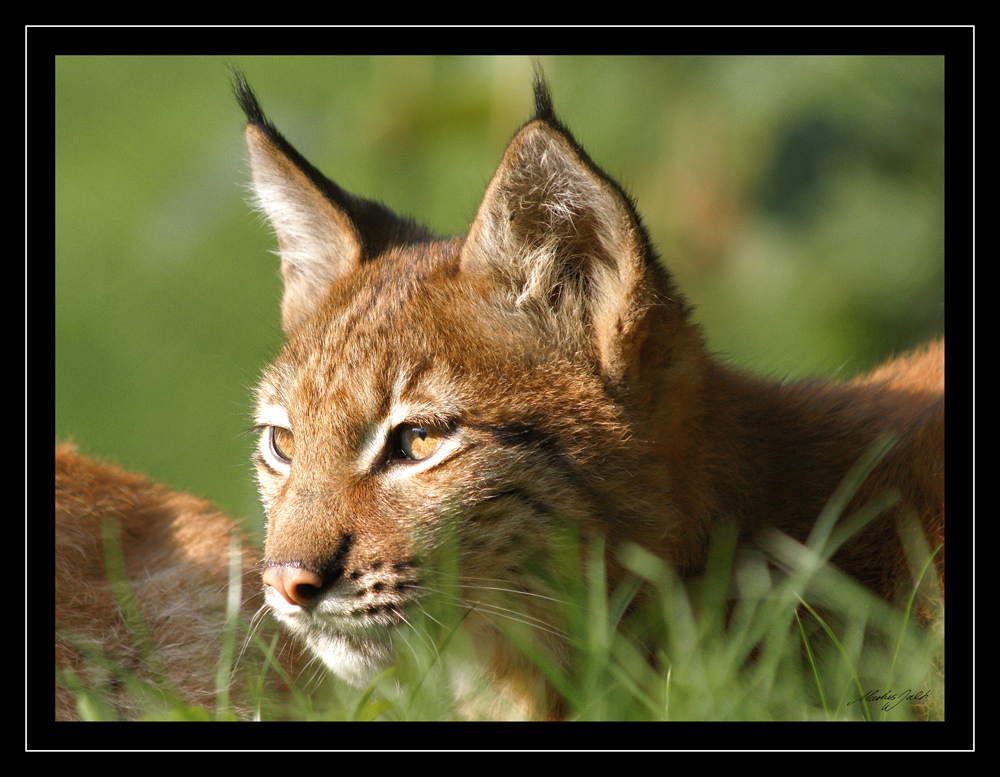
[(417, 442), (282, 444)]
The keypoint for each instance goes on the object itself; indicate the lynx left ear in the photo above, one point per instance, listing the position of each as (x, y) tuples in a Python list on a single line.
[(564, 242), (324, 233), (317, 238)]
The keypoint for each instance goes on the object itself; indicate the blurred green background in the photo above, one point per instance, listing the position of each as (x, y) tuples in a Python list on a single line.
[(799, 201)]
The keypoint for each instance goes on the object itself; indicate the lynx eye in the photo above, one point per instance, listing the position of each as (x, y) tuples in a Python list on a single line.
[(281, 443), (417, 442)]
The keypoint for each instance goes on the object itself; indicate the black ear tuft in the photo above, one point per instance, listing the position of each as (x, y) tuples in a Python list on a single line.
[(248, 100), (543, 100)]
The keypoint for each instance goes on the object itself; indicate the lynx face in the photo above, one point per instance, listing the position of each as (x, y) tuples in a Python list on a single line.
[(380, 436), (477, 392), (476, 389)]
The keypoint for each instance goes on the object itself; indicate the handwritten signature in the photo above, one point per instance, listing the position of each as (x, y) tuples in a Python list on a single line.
[(891, 698)]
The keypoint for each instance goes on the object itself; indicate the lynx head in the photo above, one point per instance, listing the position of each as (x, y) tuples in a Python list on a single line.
[(483, 387)]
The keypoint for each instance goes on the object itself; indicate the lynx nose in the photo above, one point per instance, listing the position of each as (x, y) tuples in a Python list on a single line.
[(295, 584)]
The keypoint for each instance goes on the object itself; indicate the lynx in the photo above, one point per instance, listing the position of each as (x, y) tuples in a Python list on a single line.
[(542, 370), (176, 552)]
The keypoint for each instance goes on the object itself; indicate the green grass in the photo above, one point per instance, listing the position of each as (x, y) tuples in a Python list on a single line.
[(741, 644)]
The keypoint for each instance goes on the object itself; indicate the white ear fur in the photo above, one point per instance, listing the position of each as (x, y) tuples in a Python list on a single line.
[(317, 242), (561, 241), (313, 235), (317, 239)]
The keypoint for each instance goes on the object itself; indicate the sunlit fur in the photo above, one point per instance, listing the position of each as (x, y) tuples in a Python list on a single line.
[(574, 385), (177, 552)]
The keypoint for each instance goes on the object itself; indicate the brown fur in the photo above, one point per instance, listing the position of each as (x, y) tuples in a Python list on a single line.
[(542, 370), (176, 551), (553, 360)]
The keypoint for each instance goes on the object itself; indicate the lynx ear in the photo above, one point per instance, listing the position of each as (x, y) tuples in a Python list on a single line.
[(563, 241), (316, 239), (323, 232)]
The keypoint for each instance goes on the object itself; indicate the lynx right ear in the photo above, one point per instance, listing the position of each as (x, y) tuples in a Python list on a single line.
[(317, 239)]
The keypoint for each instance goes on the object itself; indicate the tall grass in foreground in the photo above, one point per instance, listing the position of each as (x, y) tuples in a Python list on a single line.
[(739, 644), (788, 639), (745, 642)]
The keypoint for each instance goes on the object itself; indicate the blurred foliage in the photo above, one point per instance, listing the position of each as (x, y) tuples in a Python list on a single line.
[(798, 200)]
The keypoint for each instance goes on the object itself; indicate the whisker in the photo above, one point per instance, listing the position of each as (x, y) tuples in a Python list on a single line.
[(428, 642), (501, 585), (489, 608)]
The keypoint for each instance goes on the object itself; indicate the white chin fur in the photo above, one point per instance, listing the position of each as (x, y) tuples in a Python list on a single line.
[(356, 660), (355, 657)]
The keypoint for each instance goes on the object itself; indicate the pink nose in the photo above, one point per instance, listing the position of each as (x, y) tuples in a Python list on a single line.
[(296, 585)]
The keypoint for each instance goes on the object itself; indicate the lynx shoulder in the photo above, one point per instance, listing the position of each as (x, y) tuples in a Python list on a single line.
[(542, 369)]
